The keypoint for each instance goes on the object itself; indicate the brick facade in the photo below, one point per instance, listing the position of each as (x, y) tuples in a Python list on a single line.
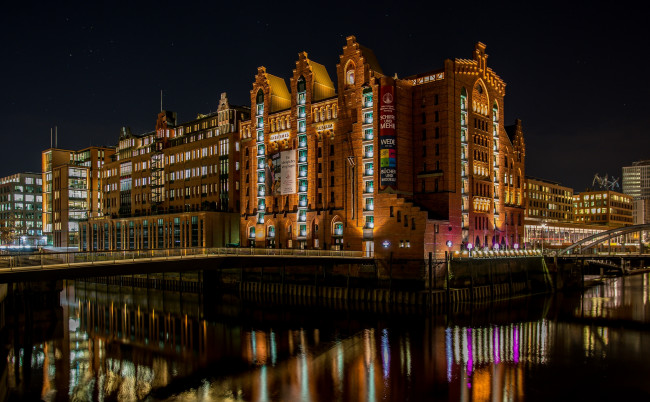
[(458, 168)]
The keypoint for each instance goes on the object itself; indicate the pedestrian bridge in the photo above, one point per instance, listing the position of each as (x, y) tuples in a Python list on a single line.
[(69, 265), (588, 244)]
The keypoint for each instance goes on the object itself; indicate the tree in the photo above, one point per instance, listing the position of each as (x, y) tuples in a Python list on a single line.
[(7, 235)]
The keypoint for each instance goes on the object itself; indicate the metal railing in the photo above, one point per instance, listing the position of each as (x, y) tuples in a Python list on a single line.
[(68, 259)]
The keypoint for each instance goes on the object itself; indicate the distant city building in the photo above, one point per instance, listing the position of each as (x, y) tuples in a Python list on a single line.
[(603, 207), (548, 201), (557, 218), (176, 186), (21, 207), (71, 184), (376, 163), (636, 182)]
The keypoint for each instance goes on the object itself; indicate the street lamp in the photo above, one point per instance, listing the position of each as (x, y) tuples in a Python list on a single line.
[(469, 247)]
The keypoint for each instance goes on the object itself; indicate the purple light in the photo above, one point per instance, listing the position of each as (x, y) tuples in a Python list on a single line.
[(470, 358), (495, 340), (516, 345)]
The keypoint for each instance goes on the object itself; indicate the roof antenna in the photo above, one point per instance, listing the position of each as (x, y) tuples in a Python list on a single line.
[(161, 109), (56, 137), (51, 137)]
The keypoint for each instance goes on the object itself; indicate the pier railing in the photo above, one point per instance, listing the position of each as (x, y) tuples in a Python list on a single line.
[(47, 259)]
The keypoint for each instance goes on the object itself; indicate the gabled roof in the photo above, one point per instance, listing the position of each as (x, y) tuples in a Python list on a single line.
[(280, 96), (323, 85)]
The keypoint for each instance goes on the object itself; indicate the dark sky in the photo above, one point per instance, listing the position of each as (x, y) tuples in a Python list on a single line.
[(575, 74)]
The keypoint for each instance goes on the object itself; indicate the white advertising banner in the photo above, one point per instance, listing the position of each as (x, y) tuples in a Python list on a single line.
[(288, 172)]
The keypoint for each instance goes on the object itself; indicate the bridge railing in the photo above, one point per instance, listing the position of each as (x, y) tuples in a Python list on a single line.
[(67, 258)]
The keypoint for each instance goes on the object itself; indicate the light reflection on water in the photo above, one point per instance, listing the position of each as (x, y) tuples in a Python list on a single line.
[(129, 351)]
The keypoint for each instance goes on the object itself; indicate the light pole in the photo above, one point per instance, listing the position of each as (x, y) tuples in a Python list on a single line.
[(469, 247), (543, 229)]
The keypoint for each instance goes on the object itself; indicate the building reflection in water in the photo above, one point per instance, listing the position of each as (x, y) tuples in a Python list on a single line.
[(124, 346)]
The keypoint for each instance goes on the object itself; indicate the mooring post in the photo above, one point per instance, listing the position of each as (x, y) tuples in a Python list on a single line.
[(347, 284), (471, 281), (430, 279), (447, 263)]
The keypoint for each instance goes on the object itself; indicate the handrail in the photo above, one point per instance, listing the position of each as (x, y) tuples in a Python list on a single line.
[(67, 258)]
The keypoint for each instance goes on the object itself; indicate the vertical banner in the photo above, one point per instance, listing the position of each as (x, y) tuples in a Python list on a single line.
[(387, 138), (273, 174), (288, 169)]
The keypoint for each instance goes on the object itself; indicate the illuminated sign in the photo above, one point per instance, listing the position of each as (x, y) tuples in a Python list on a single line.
[(325, 126), (387, 138), (279, 136), (428, 78)]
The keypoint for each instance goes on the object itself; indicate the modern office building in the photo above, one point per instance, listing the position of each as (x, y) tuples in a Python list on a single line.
[(603, 207), (176, 186), (556, 218), (21, 208), (636, 182), (366, 161), (71, 191), (548, 201)]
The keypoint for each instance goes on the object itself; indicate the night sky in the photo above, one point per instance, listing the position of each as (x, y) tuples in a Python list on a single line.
[(576, 75)]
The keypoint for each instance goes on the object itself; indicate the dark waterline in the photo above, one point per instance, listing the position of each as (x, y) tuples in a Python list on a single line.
[(106, 343)]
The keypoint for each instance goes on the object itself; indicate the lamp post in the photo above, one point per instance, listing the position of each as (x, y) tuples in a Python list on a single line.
[(543, 229), (469, 247)]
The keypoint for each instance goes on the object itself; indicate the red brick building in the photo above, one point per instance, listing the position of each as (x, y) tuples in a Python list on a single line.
[(397, 167), (176, 186)]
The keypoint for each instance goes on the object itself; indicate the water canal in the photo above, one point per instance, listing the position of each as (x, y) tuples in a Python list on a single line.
[(104, 342)]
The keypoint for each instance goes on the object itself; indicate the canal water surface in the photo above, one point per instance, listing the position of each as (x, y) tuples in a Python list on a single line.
[(121, 343)]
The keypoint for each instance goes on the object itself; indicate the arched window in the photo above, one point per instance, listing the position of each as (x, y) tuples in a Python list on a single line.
[(251, 232), (270, 232), (349, 73), (338, 229), (260, 97)]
